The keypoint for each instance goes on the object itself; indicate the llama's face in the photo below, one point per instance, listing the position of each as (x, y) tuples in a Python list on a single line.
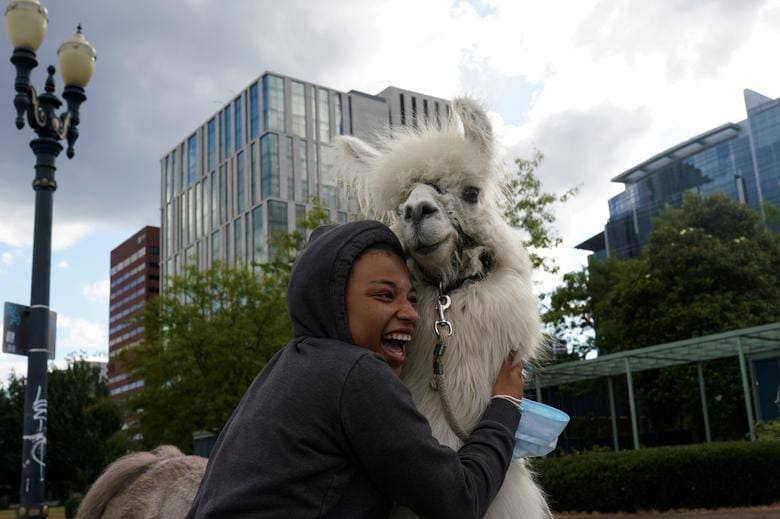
[(431, 226)]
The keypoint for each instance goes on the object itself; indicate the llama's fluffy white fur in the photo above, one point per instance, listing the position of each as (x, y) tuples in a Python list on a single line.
[(492, 315)]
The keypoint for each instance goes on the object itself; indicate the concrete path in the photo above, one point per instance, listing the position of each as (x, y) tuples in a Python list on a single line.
[(756, 512)]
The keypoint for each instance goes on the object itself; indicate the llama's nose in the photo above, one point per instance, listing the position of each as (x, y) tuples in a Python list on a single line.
[(417, 211)]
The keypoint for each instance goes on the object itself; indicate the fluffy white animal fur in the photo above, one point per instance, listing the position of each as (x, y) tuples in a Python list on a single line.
[(441, 191), (145, 485), (449, 239)]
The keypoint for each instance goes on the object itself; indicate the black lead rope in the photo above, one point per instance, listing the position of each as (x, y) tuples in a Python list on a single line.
[(443, 328)]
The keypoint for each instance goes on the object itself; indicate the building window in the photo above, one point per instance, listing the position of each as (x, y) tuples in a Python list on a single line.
[(316, 170), (238, 117), (254, 111), (204, 207), (288, 158), (198, 210), (176, 178), (425, 110), (211, 137), (240, 190), (223, 194), (303, 162), (277, 223), (226, 132), (191, 212), (182, 186), (216, 250), (436, 114), (257, 233), (214, 201), (269, 165), (342, 217), (273, 103), (312, 114), (298, 106), (237, 241), (414, 112), (339, 114), (169, 230), (253, 173), (247, 239), (324, 115), (228, 245), (192, 153), (300, 215), (166, 176), (403, 109)]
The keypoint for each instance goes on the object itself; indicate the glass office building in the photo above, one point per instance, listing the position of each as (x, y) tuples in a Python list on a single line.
[(740, 160), (254, 167)]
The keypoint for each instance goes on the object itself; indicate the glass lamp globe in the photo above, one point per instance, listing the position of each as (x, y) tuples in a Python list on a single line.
[(26, 21), (77, 60)]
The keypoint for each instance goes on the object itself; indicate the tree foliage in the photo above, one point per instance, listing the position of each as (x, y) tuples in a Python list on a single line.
[(708, 267), (206, 338), (531, 209), (83, 429)]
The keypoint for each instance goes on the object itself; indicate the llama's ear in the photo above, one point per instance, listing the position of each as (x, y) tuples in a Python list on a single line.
[(354, 151), (476, 125)]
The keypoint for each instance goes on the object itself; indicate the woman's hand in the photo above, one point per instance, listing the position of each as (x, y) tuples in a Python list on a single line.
[(510, 379)]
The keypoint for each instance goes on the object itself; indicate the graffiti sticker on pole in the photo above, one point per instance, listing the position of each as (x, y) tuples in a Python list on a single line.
[(16, 333)]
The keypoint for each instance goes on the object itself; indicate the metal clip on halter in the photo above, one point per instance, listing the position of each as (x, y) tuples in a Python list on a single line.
[(442, 304)]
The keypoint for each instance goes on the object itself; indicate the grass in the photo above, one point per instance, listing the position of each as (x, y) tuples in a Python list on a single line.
[(54, 513)]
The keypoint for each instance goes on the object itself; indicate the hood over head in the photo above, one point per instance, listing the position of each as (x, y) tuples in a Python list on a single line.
[(316, 294)]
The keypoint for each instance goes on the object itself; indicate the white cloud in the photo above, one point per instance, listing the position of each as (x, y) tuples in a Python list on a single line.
[(64, 264), (80, 334), (16, 229), (6, 259), (97, 292)]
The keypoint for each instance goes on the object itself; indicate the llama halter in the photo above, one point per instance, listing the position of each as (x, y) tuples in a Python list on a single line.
[(437, 384)]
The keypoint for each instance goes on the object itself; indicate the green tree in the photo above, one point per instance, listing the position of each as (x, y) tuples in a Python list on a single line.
[(83, 429), (206, 338), (568, 315), (11, 415), (709, 266), (531, 209)]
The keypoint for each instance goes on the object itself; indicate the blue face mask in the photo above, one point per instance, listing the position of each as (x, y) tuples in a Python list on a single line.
[(538, 430)]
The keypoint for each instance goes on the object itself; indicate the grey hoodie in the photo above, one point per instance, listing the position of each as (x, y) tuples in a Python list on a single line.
[(328, 430)]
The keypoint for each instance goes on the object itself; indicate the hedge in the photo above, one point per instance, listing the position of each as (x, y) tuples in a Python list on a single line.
[(711, 475)]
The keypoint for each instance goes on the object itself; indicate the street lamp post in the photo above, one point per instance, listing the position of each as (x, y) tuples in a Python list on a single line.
[(26, 22)]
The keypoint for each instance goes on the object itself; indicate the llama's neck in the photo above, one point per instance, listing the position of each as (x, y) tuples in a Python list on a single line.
[(489, 319)]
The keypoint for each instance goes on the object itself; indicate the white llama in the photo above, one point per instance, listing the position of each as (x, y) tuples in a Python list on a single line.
[(441, 191)]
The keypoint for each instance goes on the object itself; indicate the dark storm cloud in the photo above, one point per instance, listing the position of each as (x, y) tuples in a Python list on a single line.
[(695, 37), (162, 69)]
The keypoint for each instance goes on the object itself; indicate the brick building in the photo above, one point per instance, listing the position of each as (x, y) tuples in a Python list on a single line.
[(135, 278)]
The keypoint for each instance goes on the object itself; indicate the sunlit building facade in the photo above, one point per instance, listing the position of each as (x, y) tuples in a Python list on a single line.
[(255, 166), (740, 160)]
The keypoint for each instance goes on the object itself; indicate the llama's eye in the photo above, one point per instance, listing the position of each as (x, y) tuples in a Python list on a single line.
[(470, 194)]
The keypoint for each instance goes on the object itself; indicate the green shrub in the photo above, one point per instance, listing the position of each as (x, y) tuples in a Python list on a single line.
[(768, 431), (692, 476)]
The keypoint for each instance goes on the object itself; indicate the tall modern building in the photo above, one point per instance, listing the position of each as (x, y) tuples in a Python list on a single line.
[(135, 278), (740, 160), (254, 166)]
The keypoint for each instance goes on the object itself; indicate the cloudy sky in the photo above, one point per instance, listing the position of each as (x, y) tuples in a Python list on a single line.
[(597, 85)]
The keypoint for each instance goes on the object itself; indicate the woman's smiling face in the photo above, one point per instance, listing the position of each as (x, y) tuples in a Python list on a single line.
[(380, 303)]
